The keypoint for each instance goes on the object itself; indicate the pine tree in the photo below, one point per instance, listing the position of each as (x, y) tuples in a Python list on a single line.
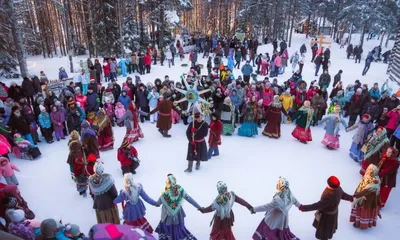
[(131, 37)]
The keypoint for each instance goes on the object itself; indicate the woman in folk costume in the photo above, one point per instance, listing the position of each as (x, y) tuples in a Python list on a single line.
[(89, 140), (367, 204), (375, 147), (214, 138), (274, 118), (228, 117), (77, 162), (332, 127), (223, 218), (102, 186), (172, 223), (364, 127), (251, 116), (326, 215), (388, 167), (133, 208), (275, 225), (104, 129), (303, 118), (130, 118)]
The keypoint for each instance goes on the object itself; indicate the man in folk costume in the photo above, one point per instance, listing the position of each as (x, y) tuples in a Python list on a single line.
[(303, 118), (164, 121), (367, 204), (197, 146), (388, 167), (223, 218), (102, 186), (102, 124), (275, 224), (172, 224), (326, 217)]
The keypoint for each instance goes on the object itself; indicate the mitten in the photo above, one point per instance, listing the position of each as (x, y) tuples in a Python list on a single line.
[(192, 143), (301, 208)]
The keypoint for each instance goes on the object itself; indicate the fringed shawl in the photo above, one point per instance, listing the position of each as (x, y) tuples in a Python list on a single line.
[(223, 204), (375, 143), (100, 184)]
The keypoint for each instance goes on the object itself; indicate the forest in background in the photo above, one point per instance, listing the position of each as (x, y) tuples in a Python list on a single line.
[(113, 27)]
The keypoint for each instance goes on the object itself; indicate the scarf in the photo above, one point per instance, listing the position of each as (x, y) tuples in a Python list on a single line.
[(224, 201), (310, 113), (375, 143), (131, 190), (276, 103), (173, 195), (100, 183), (370, 181)]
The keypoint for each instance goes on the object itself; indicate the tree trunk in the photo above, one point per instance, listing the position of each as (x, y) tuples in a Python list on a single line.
[(162, 26), (292, 22), (383, 35), (363, 33), (387, 40), (17, 38)]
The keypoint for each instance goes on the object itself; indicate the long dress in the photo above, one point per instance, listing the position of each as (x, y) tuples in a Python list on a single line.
[(76, 160), (388, 168), (375, 147), (331, 138), (275, 225), (365, 211), (274, 119), (302, 131), (363, 129), (224, 218), (249, 126), (227, 119), (90, 143), (104, 132), (131, 122), (172, 223), (327, 208), (134, 209)]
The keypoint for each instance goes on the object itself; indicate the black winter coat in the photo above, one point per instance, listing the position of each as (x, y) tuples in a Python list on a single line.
[(19, 124), (36, 85), (105, 201), (318, 60), (15, 92), (141, 98), (327, 54), (372, 109), (116, 91), (336, 79), (27, 88), (355, 105), (390, 104), (74, 118), (303, 49), (365, 97), (199, 151)]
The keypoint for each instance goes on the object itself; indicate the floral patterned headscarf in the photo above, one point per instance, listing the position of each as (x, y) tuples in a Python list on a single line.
[(283, 190), (370, 180), (173, 195), (224, 201), (376, 142)]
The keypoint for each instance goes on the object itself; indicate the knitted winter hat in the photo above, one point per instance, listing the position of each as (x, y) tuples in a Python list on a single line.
[(16, 215), (333, 182), (48, 228), (72, 230), (367, 116), (125, 144), (98, 168)]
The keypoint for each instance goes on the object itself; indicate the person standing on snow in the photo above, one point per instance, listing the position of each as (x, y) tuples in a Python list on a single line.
[(368, 62), (247, 70)]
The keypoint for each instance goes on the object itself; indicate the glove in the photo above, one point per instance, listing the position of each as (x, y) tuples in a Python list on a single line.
[(193, 143), (301, 208), (352, 199), (193, 130)]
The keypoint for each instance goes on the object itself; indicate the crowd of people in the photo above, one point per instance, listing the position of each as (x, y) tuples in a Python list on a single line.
[(86, 112)]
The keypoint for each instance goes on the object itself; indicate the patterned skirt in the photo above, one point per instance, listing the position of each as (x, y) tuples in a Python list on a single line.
[(141, 223), (173, 232), (264, 232), (331, 141), (227, 129), (106, 143), (133, 135), (248, 129), (355, 152), (364, 218), (301, 134), (110, 215)]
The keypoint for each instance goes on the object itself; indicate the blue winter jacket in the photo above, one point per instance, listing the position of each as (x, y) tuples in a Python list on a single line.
[(153, 100), (125, 100), (331, 126), (397, 132), (348, 95), (375, 93), (230, 62), (83, 114), (247, 70), (61, 236), (44, 120), (62, 75), (236, 101), (93, 102)]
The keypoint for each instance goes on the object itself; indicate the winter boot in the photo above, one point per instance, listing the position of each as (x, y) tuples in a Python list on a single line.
[(197, 165), (190, 166), (165, 134), (161, 131)]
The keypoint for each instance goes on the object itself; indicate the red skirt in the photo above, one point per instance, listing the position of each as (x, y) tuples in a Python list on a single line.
[(133, 135), (301, 134), (105, 143), (218, 234), (364, 218), (384, 194), (331, 141), (141, 223), (364, 166)]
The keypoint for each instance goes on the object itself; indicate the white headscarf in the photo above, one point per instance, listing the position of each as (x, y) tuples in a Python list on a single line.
[(131, 188)]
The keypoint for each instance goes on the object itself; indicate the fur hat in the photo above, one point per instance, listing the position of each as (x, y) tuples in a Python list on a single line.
[(72, 230), (42, 108), (333, 182), (48, 228), (16, 215), (98, 168)]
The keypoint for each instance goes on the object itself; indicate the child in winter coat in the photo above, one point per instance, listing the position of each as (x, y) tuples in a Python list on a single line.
[(264, 67), (119, 112), (24, 147), (128, 157), (109, 109), (58, 118), (45, 124), (19, 226), (70, 231), (7, 170)]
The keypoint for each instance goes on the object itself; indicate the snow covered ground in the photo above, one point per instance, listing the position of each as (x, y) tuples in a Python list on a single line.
[(249, 166)]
